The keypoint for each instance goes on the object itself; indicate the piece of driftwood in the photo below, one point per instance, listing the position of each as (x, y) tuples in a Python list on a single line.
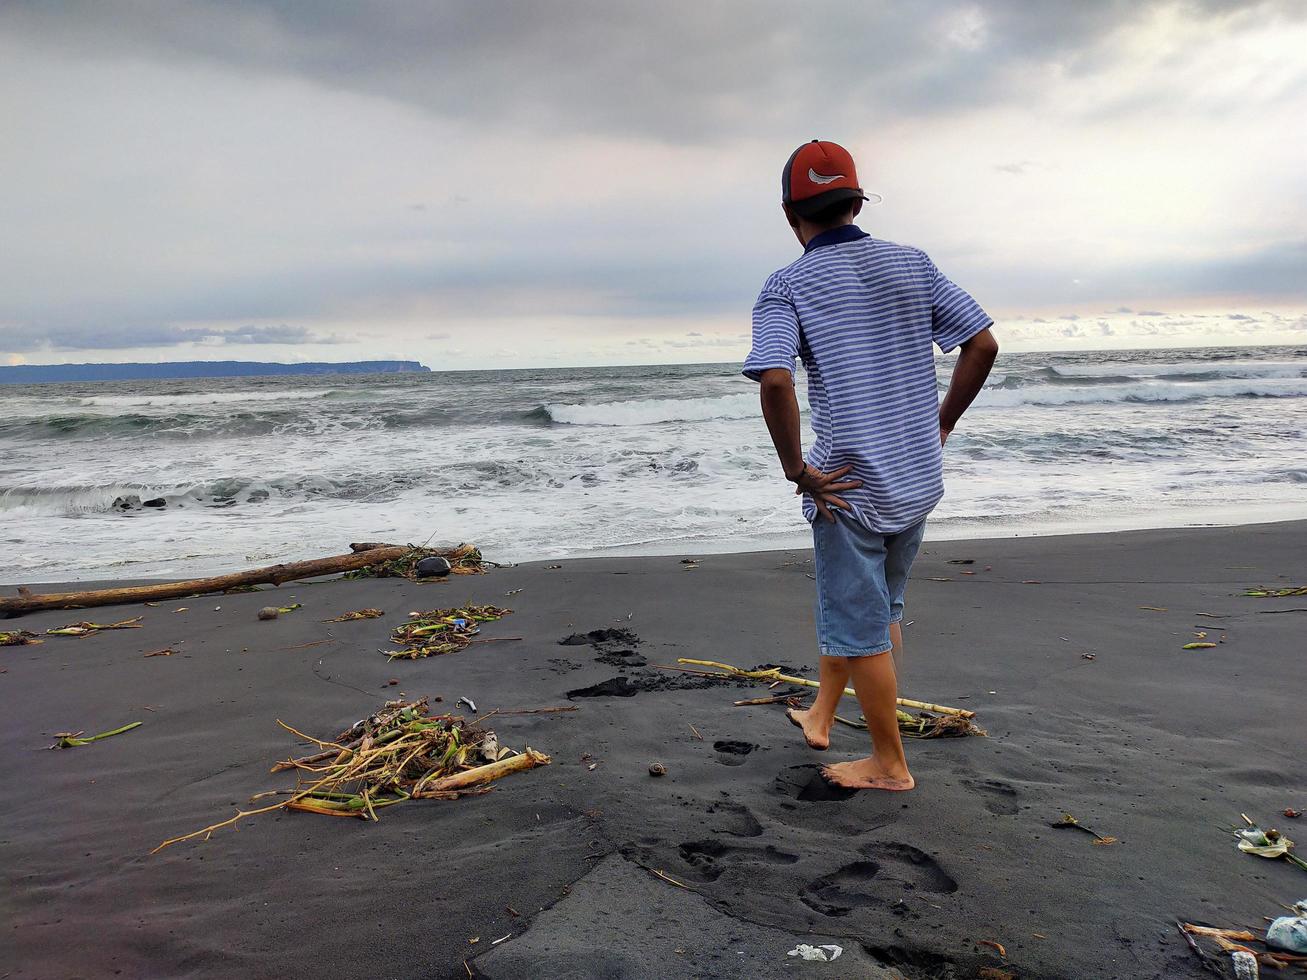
[(271, 575), (775, 673)]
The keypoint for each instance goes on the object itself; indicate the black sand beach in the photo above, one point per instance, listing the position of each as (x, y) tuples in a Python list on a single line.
[(1157, 746)]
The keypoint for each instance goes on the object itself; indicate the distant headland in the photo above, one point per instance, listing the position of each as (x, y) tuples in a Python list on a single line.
[(46, 373)]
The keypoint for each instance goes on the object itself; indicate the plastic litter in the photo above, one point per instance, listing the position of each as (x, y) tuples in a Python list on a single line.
[(1288, 933), (471, 705), (1254, 840), (1245, 965), (821, 954)]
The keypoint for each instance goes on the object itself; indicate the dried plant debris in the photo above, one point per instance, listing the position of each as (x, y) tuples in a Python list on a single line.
[(440, 631), (464, 560), (90, 629), (71, 740), (356, 614), (18, 638), (1068, 821), (400, 753), (1235, 941), (1261, 592), (929, 721)]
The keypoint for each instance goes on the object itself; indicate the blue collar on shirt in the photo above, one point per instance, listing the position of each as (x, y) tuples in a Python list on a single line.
[(836, 236)]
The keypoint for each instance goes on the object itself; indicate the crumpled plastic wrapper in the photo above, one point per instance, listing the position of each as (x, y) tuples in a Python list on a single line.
[(1254, 841), (821, 954), (1288, 933)]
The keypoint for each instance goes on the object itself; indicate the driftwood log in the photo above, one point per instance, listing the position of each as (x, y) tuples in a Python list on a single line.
[(360, 557)]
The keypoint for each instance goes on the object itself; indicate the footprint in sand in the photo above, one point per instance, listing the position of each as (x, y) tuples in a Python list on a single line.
[(999, 798), (731, 752), (805, 783), (616, 687), (733, 819), (890, 870), (709, 859)]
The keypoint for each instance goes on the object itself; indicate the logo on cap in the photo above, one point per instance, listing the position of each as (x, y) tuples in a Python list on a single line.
[(817, 178)]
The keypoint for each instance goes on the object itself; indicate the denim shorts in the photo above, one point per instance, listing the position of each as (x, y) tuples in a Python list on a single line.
[(861, 576)]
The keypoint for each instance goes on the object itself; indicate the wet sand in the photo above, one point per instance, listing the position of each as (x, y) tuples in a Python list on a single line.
[(1149, 743)]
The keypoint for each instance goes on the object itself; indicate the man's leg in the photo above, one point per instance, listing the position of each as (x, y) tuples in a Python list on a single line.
[(876, 684), (817, 720)]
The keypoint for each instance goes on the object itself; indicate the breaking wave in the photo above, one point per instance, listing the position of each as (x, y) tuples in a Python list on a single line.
[(1194, 370), (651, 411), (203, 398), (1142, 391)]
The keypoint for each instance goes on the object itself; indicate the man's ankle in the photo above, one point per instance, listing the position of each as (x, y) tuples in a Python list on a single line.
[(891, 763)]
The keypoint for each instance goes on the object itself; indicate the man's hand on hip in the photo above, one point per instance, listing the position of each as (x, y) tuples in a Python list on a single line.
[(824, 487)]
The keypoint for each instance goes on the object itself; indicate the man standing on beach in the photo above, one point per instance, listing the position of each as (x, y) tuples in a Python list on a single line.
[(862, 314)]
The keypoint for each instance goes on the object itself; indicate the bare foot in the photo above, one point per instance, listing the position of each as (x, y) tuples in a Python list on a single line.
[(868, 774), (814, 734)]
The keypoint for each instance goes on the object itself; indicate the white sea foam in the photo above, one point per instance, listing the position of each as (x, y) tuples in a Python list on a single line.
[(651, 411), (1143, 391), (201, 398), (1226, 369)]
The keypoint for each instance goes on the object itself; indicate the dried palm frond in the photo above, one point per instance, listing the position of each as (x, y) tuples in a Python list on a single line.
[(930, 721), (90, 629), (464, 560), (1261, 592), (440, 631), (18, 638), (349, 617), (400, 753)]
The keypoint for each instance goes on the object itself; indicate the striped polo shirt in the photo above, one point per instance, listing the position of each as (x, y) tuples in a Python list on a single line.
[(863, 314)]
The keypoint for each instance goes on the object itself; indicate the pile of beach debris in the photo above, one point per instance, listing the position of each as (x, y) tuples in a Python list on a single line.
[(400, 753)]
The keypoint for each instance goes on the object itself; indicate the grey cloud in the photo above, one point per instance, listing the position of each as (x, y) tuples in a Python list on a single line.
[(671, 70), (278, 334), (118, 336)]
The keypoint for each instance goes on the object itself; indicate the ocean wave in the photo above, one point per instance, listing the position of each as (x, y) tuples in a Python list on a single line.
[(651, 411), (203, 398), (1143, 391), (1195, 370), (85, 499)]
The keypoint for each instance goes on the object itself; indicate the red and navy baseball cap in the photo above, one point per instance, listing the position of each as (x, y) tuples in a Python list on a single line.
[(817, 175)]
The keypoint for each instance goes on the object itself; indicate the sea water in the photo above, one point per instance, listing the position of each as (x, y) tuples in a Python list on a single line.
[(535, 464)]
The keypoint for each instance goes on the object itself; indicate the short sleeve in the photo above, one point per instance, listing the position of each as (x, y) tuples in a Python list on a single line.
[(775, 331), (955, 316)]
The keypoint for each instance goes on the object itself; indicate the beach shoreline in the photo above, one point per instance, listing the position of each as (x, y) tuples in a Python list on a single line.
[(1146, 742), (936, 532), (561, 464)]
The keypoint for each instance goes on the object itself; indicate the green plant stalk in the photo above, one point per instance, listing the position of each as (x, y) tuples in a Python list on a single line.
[(69, 742)]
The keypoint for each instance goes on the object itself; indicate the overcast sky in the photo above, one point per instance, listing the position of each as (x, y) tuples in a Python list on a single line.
[(490, 184)]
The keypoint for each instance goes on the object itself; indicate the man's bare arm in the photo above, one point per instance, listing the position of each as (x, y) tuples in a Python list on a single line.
[(969, 376), (780, 409)]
